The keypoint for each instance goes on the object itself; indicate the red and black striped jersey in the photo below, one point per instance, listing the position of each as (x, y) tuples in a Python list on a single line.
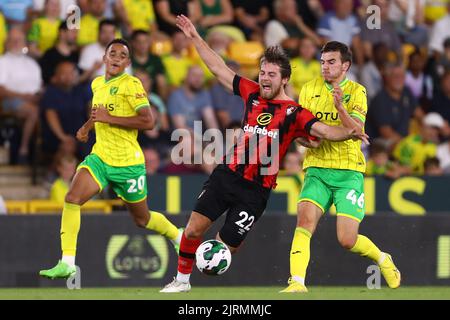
[(269, 128)]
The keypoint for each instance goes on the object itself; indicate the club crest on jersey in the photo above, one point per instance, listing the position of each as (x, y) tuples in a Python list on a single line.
[(255, 103), (264, 119), (113, 90), (346, 98), (290, 110)]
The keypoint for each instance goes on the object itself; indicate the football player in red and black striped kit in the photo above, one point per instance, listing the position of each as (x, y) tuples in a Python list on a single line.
[(241, 185)]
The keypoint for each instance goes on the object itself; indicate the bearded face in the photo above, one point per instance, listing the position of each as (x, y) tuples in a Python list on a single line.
[(270, 81)]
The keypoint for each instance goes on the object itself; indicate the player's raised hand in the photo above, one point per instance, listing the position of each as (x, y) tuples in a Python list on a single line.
[(185, 25), (100, 114), (337, 96)]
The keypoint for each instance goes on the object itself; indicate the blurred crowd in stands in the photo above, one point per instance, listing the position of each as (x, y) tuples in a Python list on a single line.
[(401, 52)]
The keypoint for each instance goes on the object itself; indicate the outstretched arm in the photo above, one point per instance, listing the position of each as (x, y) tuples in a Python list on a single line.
[(214, 62), (337, 133)]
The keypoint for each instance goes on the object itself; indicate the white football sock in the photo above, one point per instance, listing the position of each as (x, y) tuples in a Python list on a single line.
[(70, 260), (182, 277)]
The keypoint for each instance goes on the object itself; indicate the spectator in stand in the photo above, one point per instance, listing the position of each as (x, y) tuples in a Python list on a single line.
[(371, 74), (408, 18), (90, 21), (392, 108), (229, 108), (142, 59), (441, 102), (3, 32), (442, 63), (167, 10), (386, 34), (159, 136), (17, 12), (439, 32), (44, 30), (435, 10), (66, 168), (379, 162), (443, 154), (215, 12), (91, 59), (412, 151), (182, 157), (292, 167), (311, 11), (192, 103), (251, 17), (343, 26), (152, 161), (287, 27), (109, 11), (136, 15), (20, 84), (65, 49), (65, 108), (304, 67), (433, 167), (419, 83), (64, 5), (328, 5), (177, 63)]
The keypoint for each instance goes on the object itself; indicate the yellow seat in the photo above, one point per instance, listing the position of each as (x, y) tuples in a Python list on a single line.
[(246, 53), (16, 206), (49, 206)]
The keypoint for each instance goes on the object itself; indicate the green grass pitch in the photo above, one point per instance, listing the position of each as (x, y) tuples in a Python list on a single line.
[(230, 293)]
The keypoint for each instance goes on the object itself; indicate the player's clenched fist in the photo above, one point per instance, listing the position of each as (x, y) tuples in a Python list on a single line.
[(100, 114)]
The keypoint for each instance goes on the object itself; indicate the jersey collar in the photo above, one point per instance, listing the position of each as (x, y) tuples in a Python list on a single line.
[(115, 77), (341, 84)]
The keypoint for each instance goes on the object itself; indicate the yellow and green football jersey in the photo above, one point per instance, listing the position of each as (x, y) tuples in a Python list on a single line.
[(412, 151), (302, 73), (44, 32), (317, 97), (140, 14), (3, 33), (122, 96)]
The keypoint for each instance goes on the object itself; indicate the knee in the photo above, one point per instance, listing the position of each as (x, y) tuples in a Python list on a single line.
[(71, 197), (347, 241), (307, 222), (193, 232), (141, 222)]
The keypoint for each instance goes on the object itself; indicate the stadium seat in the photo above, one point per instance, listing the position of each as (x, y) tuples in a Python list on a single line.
[(16, 206), (246, 53), (48, 206)]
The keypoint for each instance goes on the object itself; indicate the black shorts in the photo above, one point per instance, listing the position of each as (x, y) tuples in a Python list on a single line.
[(243, 201)]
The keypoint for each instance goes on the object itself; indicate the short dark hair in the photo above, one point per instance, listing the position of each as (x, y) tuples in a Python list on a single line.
[(336, 46), (137, 33), (107, 22), (120, 41), (276, 55), (431, 162)]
